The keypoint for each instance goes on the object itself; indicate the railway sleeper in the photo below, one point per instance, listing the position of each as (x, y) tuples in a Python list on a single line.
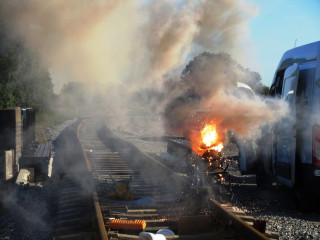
[(69, 215), (80, 205), (66, 232), (76, 220), (71, 198), (72, 209)]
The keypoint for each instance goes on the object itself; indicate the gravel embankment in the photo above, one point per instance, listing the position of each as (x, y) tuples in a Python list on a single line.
[(277, 206), (28, 212)]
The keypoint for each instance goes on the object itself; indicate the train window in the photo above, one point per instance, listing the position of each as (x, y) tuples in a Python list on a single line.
[(305, 85), (272, 91), (288, 89), (304, 99), (278, 83)]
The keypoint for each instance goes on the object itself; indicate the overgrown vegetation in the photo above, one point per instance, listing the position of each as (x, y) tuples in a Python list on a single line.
[(210, 66), (24, 81), (47, 119), (27, 83)]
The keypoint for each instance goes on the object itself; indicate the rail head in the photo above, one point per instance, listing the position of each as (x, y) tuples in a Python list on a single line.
[(101, 226), (240, 227)]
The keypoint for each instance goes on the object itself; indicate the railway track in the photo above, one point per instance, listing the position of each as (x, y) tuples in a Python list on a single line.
[(77, 211), (106, 178)]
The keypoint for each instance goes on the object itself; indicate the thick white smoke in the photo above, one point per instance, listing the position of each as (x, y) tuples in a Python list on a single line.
[(118, 42), (116, 47)]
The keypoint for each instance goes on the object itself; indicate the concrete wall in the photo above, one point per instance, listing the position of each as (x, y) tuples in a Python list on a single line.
[(11, 133), (7, 167)]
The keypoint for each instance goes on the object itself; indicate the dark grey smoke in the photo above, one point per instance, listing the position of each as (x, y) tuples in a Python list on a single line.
[(210, 83)]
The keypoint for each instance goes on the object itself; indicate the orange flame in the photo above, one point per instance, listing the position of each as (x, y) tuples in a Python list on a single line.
[(207, 141)]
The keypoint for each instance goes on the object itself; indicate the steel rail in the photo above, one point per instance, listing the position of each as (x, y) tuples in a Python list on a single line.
[(236, 224), (101, 226)]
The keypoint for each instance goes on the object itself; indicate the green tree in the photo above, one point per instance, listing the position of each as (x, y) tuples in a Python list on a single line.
[(209, 71), (6, 96), (24, 81)]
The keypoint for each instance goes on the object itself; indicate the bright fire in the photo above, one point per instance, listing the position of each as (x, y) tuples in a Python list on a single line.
[(206, 140), (210, 137)]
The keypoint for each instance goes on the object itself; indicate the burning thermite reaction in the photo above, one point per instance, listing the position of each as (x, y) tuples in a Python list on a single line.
[(207, 139)]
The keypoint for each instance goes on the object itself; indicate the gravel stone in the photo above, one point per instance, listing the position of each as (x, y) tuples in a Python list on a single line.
[(28, 212)]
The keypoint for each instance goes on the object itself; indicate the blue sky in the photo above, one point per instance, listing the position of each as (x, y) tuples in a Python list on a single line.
[(276, 28)]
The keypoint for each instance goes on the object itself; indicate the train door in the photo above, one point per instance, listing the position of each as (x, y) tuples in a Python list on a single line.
[(285, 150)]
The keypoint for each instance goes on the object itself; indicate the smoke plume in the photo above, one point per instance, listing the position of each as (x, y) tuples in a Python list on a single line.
[(124, 43), (211, 86), (118, 47)]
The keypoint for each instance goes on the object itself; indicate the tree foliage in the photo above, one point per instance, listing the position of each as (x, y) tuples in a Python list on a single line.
[(24, 81), (203, 78), (211, 69)]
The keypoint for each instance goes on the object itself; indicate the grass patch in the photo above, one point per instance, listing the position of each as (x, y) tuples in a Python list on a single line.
[(45, 120)]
